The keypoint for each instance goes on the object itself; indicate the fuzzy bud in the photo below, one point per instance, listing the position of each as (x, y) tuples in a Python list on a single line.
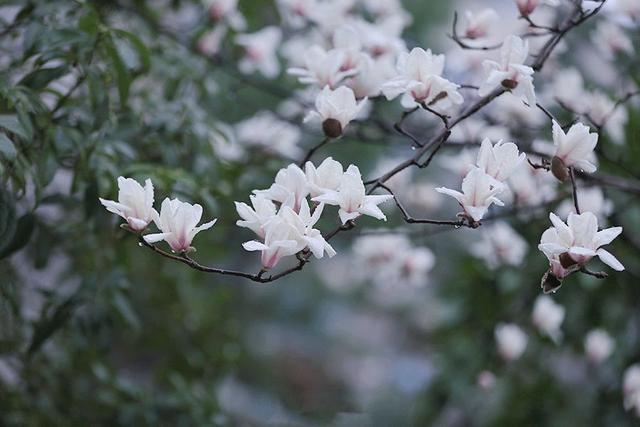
[(559, 169), (509, 84), (332, 128)]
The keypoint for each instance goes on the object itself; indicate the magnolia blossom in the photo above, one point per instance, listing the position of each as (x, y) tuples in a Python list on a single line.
[(612, 40), (227, 10), (607, 114), (352, 199), (631, 388), (335, 109), (510, 72), (255, 219), (324, 178), (178, 223), (260, 52), (571, 245), (511, 340), (479, 24), (322, 68), (526, 7), (290, 184), (568, 89), (393, 264), (372, 74), (420, 81), (288, 233), (499, 161), (500, 245), (296, 13), (572, 149), (135, 203), (479, 191), (274, 135), (547, 316), (598, 345)]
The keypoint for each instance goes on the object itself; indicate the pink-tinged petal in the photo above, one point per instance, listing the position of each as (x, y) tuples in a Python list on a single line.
[(254, 245), (606, 236), (373, 210), (453, 193), (347, 216), (156, 237), (330, 198), (577, 251), (136, 223), (610, 260), (114, 207), (551, 249)]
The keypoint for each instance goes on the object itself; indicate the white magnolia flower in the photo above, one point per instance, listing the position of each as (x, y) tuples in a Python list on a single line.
[(631, 388), (255, 219), (335, 109), (260, 52), (290, 185), (598, 345), (547, 316), (510, 72), (479, 191), (352, 199), (420, 80), (372, 74), (326, 177), (568, 89), (604, 112), (266, 130), (576, 242), (290, 232), (303, 223), (296, 13), (478, 24), (135, 203), (611, 40), (178, 223), (511, 340), (531, 187), (526, 7), (209, 43), (393, 264), (500, 245), (227, 10), (499, 161), (322, 68), (280, 241), (572, 149)]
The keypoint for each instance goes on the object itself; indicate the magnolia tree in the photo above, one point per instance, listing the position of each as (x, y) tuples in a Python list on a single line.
[(368, 151)]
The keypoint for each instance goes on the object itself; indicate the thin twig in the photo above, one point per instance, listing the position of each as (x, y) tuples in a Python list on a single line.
[(574, 189)]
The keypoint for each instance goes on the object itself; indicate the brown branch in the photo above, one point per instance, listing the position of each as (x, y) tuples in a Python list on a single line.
[(574, 190), (313, 150)]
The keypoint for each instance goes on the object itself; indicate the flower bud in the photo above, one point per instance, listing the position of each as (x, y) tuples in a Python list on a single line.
[(509, 84), (559, 169), (332, 128)]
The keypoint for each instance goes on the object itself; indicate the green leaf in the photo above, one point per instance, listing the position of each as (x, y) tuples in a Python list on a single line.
[(141, 49), (11, 123), (47, 326), (8, 221), (23, 231), (123, 78), (7, 147), (39, 79)]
